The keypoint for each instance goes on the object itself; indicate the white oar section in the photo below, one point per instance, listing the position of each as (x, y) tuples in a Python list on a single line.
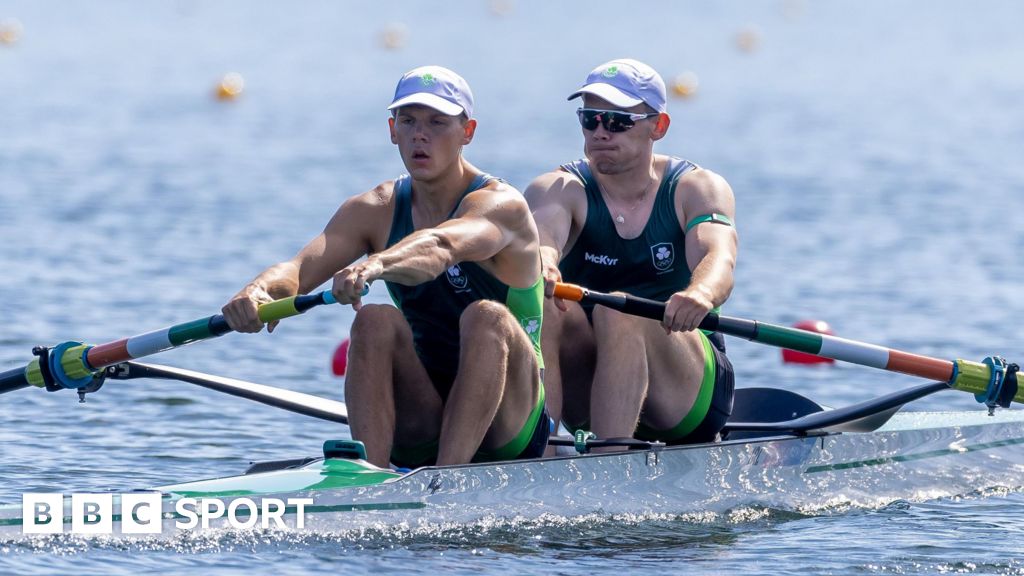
[(149, 343), (855, 352)]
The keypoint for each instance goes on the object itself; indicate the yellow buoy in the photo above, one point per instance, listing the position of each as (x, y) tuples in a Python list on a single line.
[(394, 35), (10, 30), (685, 84), (230, 86)]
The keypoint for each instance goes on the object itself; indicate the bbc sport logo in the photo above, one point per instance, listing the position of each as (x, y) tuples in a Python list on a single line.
[(142, 513)]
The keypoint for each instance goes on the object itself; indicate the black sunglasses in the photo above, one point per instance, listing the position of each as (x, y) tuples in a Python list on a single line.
[(612, 120)]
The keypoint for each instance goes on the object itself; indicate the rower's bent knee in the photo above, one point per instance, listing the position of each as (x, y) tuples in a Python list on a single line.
[(613, 322), (377, 321), (486, 316)]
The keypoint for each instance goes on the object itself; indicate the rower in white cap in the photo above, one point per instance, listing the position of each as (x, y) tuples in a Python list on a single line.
[(452, 374), (626, 219)]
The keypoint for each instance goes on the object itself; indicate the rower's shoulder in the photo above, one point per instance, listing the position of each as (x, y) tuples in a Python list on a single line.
[(380, 196), (501, 187), (367, 210), (558, 185), (498, 197), (702, 183)]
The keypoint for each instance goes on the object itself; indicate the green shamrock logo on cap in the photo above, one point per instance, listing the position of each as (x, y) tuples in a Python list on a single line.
[(611, 71), (428, 79)]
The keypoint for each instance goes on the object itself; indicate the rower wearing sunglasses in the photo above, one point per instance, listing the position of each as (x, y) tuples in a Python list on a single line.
[(452, 372), (625, 219)]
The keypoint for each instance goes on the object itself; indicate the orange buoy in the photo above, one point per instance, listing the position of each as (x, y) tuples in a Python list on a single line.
[(794, 357), (748, 39), (339, 364), (230, 86), (10, 30), (394, 36), (685, 85)]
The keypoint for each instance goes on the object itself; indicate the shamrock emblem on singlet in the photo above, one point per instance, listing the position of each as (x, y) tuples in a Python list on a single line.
[(663, 255), (456, 277)]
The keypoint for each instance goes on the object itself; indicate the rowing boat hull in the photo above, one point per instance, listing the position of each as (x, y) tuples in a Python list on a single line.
[(917, 456)]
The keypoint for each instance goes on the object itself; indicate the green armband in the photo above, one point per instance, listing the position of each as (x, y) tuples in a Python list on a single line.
[(713, 217)]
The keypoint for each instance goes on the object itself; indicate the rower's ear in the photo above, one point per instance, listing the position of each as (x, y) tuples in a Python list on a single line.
[(391, 128), (469, 129), (661, 126)]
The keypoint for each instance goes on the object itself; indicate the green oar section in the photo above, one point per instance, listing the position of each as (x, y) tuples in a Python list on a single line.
[(992, 381), (73, 364)]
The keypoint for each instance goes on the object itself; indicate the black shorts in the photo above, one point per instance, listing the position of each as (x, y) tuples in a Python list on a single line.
[(721, 399), (719, 408), (426, 454)]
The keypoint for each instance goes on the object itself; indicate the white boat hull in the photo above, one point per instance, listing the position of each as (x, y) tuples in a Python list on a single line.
[(916, 456)]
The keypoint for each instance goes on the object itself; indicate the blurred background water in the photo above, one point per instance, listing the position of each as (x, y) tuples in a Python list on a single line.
[(874, 149)]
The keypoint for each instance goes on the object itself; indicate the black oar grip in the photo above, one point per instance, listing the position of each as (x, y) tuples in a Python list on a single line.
[(643, 307), (219, 325), (621, 302), (654, 310)]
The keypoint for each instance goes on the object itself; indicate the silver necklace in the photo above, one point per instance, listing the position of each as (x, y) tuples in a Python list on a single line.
[(620, 217)]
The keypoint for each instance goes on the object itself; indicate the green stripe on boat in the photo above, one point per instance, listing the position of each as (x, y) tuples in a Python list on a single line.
[(912, 457)]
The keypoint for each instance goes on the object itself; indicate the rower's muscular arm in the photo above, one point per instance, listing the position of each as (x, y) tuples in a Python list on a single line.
[(711, 250), (554, 206), (489, 221), (347, 236)]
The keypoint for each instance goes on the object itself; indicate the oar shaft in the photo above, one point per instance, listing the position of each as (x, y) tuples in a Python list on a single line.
[(156, 341), (836, 348), (12, 380), (961, 375), (81, 361), (298, 402)]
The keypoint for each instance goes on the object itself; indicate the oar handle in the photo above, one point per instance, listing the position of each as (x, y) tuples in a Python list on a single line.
[(978, 378), (277, 310), (634, 305)]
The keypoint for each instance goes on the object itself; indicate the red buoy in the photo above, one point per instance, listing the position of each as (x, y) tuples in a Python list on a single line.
[(794, 357), (340, 361)]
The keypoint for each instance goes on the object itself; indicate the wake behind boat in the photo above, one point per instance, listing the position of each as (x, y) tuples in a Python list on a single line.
[(780, 450)]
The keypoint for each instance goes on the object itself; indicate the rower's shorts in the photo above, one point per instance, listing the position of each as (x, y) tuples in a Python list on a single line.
[(714, 401), (531, 442)]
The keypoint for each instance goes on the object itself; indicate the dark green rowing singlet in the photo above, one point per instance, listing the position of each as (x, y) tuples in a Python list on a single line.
[(433, 309), (652, 265)]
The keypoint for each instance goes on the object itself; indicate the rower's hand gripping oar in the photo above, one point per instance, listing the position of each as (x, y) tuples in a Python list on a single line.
[(993, 381), (79, 366)]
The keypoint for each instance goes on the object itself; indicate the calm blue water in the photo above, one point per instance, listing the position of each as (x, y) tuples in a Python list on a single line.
[(874, 149)]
